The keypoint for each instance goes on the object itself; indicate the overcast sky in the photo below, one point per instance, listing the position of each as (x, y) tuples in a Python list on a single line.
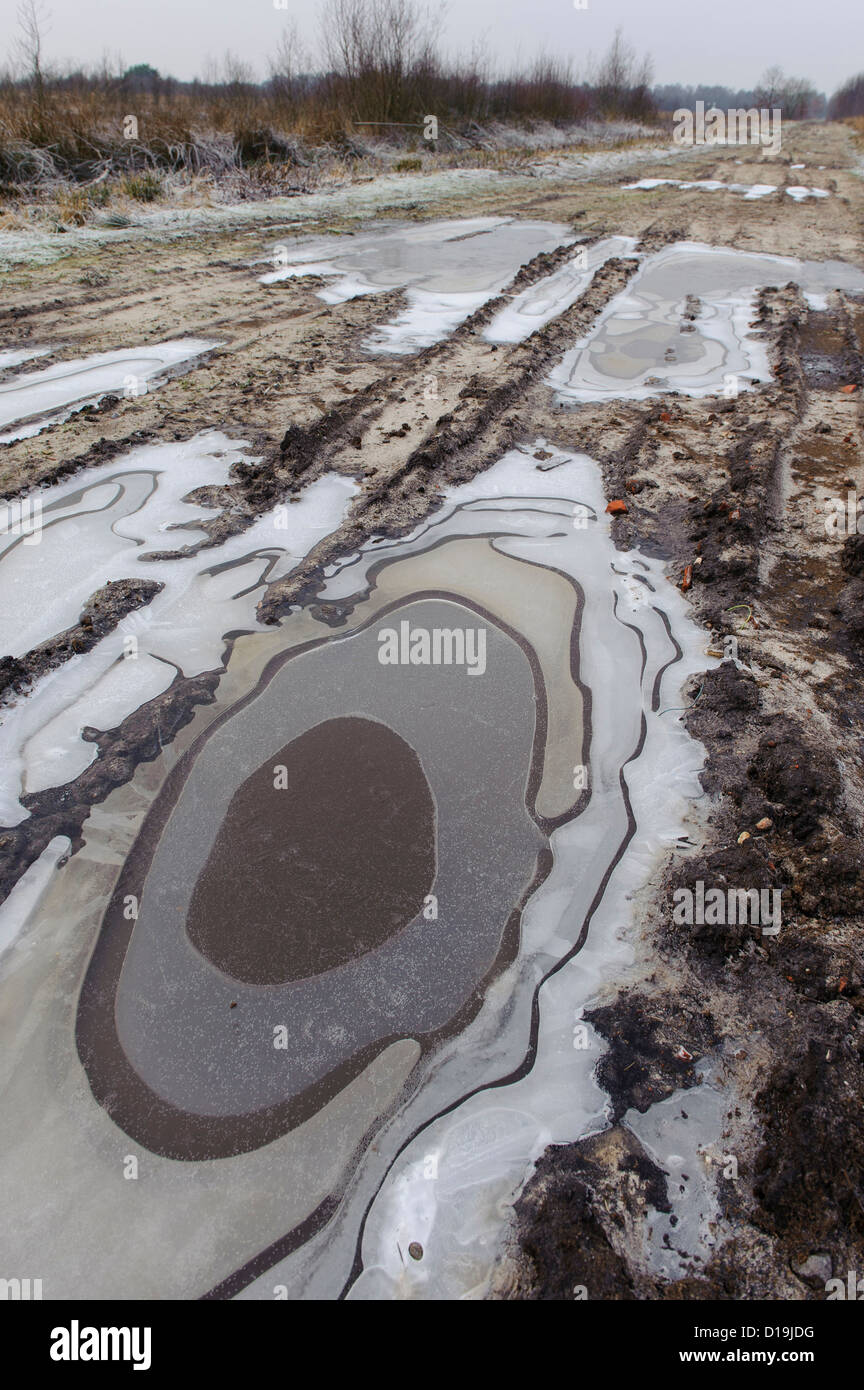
[(726, 41)]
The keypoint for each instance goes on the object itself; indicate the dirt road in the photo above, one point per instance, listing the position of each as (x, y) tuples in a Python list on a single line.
[(730, 492)]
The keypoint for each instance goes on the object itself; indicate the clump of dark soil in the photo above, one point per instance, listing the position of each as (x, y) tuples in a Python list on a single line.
[(100, 615), (653, 1048), (795, 778), (572, 1218), (809, 1180)]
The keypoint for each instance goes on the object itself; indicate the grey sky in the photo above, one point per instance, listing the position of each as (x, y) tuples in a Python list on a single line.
[(728, 41)]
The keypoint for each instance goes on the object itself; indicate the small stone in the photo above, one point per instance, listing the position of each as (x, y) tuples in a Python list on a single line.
[(765, 823), (617, 507), (415, 1250), (815, 1267), (745, 835)]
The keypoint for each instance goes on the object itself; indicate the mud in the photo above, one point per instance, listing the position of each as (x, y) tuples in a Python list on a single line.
[(290, 889), (139, 739), (730, 493), (100, 615), (729, 490)]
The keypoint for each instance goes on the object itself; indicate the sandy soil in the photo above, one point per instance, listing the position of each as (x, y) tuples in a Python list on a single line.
[(730, 492)]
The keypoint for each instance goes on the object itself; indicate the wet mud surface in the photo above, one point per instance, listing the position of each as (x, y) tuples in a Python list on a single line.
[(290, 888)]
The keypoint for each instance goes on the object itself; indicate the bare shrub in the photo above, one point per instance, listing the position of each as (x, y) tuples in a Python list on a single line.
[(848, 100), (378, 73)]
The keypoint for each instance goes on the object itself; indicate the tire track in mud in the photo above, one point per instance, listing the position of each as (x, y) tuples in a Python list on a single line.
[(456, 446), (460, 442), (738, 443), (305, 453), (723, 526)]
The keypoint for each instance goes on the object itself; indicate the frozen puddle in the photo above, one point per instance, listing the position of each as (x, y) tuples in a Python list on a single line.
[(319, 1081), (537, 305), (32, 396), (448, 269), (683, 1135), (751, 191), (683, 324), (101, 526), (13, 357)]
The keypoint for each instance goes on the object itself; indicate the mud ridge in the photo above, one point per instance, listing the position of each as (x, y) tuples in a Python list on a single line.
[(100, 615), (783, 810)]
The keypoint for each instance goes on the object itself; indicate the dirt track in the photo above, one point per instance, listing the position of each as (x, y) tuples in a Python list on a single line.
[(730, 492)]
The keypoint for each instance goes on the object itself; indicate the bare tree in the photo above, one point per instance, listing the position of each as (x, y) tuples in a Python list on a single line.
[(32, 21), (622, 81), (770, 86), (848, 100), (235, 73), (795, 96), (288, 63), (379, 51)]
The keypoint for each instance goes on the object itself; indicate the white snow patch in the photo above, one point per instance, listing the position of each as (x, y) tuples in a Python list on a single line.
[(750, 190), (799, 193)]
